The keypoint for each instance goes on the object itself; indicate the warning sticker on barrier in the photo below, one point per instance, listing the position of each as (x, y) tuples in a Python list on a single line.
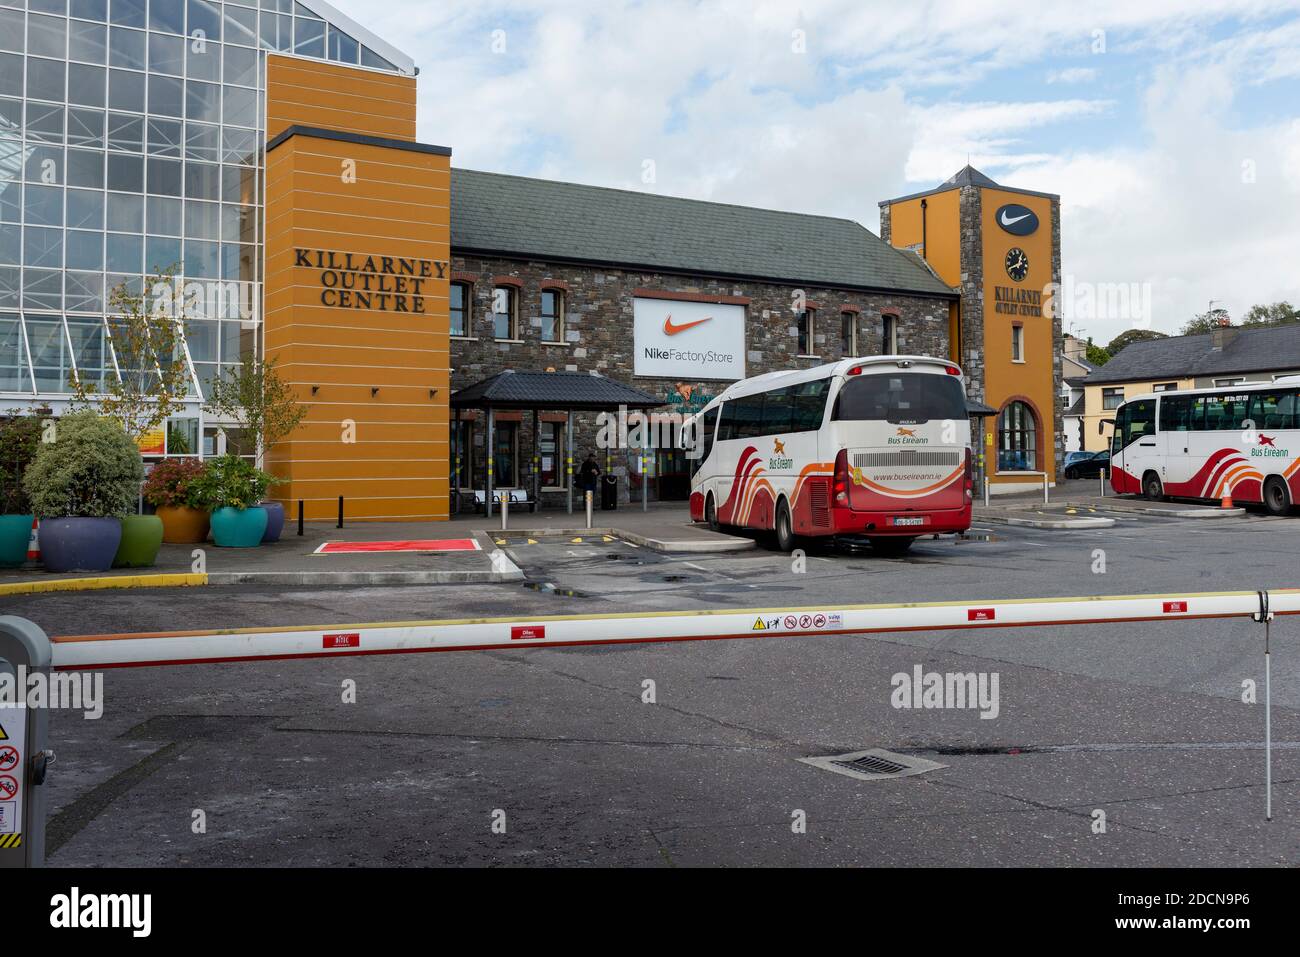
[(523, 632), (13, 731), (981, 614), (8, 759), (349, 640), (9, 822), (8, 787), (1175, 607)]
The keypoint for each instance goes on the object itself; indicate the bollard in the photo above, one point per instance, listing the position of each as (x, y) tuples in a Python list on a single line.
[(340, 511), (1101, 474), (590, 496), (986, 491), (1046, 498), (505, 510), (300, 518), (25, 652)]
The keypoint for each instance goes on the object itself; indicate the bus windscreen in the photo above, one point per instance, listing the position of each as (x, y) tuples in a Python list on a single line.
[(901, 398)]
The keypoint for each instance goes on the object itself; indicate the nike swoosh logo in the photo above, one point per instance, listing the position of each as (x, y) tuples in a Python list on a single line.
[(1012, 222), (671, 328)]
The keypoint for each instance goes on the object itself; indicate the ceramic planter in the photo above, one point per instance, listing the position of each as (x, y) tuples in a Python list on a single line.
[(274, 521), (142, 536), (79, 544), (183, 525), (15, 534), (238, 528)]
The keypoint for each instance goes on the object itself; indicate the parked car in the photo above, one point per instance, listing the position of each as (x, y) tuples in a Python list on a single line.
[(1072, 457), (1090, 466)]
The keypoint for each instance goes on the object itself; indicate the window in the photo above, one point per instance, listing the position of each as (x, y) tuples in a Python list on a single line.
[(1275, 410), (552, 315), (889, 335), (1017, 343), (777, 412), (1112, 398), (1017, 439), (703, 439), (551, 451), (470, 459), (904, 398), (806, 322), (505, 457), (1222, 383), (1165, 387), (505, 312), (848, 334), (1225, 413), (460, 311), (1139, 420), (1176, 413), (809, 401)]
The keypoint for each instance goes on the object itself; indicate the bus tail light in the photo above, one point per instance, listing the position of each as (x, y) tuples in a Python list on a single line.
[(840, 488), (952, 370), (856, 370), (970, 477)]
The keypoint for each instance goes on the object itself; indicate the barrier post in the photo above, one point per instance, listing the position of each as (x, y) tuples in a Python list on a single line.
[(1101, 474), (1265, 617), (25, 652), (986, 491), (1046, 497), (340, 511), (590, 496), (505, 510), (300, 518)]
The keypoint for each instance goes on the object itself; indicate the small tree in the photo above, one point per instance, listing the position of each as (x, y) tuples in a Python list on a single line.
[(20, 438), (254, 395), (1207, 322), (91, 470), (1277, 314), (147, 332)]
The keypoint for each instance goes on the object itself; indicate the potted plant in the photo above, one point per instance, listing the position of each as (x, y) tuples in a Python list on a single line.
[(20, 437), (231, 487), (81, 485), (171, 491), (254, 395)]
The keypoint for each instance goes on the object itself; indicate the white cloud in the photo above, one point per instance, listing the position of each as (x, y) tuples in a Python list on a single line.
[(1078, 74)]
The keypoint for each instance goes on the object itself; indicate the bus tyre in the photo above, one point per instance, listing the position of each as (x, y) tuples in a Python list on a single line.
[(1277, 499), (1153, 488), (711, 514), (784, 527), (891, 546)]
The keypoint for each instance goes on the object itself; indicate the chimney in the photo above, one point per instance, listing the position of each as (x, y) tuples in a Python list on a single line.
[(1221, 336)]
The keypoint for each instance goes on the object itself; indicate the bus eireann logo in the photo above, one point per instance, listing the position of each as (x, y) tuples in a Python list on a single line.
[(910, 433), (779, 447)]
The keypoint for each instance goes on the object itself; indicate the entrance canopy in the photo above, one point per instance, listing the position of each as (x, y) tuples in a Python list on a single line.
[(576, 391), (537, 391)]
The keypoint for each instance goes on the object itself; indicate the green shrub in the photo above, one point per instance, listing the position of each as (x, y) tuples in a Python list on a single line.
[(91, 470), (231, 482), (171, 483), (20, 437)]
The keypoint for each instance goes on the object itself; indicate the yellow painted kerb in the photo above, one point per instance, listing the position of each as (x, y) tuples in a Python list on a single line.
[(99, 584)]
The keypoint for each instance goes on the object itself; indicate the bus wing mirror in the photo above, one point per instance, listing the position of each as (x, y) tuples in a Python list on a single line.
[(1101, 426)]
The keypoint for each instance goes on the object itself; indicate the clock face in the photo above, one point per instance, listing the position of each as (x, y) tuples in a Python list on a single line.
[(1017, 264)]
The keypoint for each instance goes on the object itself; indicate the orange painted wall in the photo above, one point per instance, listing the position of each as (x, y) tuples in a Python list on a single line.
[(1003, 378), (397, 204), (942, 231), (301, 92)]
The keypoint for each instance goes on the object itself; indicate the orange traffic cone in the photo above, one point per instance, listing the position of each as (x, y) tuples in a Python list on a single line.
[(1227, 499)]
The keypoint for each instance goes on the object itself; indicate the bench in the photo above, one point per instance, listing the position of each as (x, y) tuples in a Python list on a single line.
[(518, 497)]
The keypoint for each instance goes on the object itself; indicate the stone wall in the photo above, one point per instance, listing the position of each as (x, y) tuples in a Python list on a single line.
[(598, 305)]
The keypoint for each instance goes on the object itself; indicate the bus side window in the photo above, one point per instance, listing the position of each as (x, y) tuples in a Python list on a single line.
[(809, 400), (1175, 413), (778, 409), (1140, 421), (1288, 410), (727, 427), (1121, 426)]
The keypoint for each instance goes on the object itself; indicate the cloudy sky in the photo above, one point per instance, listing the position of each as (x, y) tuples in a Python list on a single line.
[(1170, 128)]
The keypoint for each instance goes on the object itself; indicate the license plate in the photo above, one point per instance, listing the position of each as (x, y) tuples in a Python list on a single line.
[(918, 520)]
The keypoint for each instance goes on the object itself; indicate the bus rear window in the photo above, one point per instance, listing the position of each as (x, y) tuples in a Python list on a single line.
[(903, 398)]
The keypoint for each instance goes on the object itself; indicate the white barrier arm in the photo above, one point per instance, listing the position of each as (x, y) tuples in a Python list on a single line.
[(92, 652)]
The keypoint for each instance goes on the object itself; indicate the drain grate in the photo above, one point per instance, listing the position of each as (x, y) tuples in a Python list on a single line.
[(876, 764)]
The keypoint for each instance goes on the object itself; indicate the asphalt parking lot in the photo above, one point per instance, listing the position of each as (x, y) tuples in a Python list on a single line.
[(1143, 723)]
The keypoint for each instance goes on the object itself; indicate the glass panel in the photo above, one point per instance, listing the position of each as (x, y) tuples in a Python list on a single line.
[(85, 250), (309, 40), (86, 84), (88, 41), (86, 168), (45, 122), (42, 247), (241, 106), (126, 90), (203, 142), (44, 205), (203, 101), (241, 25), (164, 177), (164, 138), (126, 48), (164, 216), (128, 13), (168, 16), (202, 259), (126, 213), (202, 220), (161, 253), (11, 74), (341, 46), (47, 36), (125, 132), (85, 209), (11, 31), (240, 65), (125, 253), (85, 292), (43, 289), (86, 128), (202, 335), (49, 351), (202, 181), (11, 244), (89, 9), (89, 351), (166, 54), (204, 16), (14, 376), (126, 173), (166, 95), (203, 63)]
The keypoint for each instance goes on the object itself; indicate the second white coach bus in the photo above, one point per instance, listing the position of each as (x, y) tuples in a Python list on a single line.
[(875, 448), (1240, 442)]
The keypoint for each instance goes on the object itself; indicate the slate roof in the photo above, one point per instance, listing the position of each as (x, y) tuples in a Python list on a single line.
[(1263, 349), (967, 176), (549, 220), (1077, 407), (551, 390)]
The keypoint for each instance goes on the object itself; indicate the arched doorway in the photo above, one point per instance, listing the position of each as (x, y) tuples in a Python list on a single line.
[(1019, 438)]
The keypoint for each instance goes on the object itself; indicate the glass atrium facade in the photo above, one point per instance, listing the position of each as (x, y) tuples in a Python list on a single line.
[(131, 141)]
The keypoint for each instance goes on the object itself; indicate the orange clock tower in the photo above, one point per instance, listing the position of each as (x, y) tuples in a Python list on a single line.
[(1001, 248)]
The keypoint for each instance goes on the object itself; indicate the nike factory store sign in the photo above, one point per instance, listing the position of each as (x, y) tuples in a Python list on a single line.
[(689, 340)]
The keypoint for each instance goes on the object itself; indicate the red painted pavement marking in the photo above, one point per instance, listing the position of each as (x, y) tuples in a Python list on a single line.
[(416, 545)]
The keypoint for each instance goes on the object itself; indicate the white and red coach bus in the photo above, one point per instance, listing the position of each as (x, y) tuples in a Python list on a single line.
[(876, 448), (1240, 441)]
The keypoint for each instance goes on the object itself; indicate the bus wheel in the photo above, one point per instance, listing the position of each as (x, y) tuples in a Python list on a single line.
[(784, 527), (891, 546), (1153, 488), (711, 514), (1276, 497)]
